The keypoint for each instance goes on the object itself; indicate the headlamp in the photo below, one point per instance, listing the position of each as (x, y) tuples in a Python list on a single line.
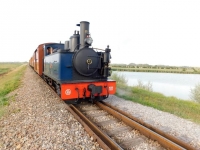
[(88, 40)]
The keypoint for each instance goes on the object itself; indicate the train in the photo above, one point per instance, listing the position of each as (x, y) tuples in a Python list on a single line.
[(74, 69)]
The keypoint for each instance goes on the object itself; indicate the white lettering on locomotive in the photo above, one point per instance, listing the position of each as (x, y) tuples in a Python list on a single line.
[(110, 88), (68, 92)]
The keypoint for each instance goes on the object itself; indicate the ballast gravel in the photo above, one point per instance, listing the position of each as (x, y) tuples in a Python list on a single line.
[(183, 129), (39, 120)]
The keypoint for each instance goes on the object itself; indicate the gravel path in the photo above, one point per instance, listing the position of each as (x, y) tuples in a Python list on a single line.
[(181, 128), (39, 120)]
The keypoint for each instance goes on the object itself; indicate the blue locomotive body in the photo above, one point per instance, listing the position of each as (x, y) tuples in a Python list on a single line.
[(58, 66)]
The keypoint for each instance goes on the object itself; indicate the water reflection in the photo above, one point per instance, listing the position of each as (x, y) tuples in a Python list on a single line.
[(178, 85)]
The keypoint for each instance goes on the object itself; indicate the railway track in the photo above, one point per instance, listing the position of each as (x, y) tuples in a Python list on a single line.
[(114, 129), (119, 131)]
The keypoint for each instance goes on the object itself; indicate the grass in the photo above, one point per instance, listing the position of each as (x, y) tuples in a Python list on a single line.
[(8, 83), (4, 70), (7, 67), (185, 109)]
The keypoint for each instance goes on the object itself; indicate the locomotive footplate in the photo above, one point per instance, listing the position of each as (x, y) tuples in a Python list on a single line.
[(94, 90)]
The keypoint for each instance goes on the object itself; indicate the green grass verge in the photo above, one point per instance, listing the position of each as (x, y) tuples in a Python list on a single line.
[(9, 83), (185, 109)]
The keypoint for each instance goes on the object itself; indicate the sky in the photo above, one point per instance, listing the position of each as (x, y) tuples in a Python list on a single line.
[(155, 32)]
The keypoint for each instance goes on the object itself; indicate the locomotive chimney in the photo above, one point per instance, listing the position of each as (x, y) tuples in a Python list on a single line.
[(84, 29)]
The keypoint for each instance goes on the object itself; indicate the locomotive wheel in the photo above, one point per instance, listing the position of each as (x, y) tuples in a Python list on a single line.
[(58, 90), (44, 78)]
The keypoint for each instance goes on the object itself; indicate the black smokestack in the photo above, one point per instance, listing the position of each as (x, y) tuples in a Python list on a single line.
[(84, 29)]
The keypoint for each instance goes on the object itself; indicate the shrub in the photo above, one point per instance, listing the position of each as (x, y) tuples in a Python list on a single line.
[(195, 93), (119, 78), (147, 87)]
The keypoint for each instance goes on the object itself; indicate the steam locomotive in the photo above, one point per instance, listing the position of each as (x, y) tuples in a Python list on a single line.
[(75, 70)]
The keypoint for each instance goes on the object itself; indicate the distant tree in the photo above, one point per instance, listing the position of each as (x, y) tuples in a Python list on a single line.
[(132, 64), (194, 69)]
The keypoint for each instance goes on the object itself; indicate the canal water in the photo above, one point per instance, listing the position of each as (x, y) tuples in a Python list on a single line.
[(169, 84)]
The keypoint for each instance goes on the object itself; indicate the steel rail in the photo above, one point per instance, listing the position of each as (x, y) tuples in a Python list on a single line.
[(160, 132), (104, 137), (88, 129), (143, 130)]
